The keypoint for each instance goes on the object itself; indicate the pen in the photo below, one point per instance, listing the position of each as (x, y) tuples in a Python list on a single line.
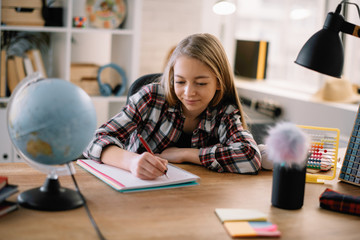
[(149, 149)]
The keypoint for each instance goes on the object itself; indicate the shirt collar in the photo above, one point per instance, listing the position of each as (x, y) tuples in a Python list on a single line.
[(207, 122)]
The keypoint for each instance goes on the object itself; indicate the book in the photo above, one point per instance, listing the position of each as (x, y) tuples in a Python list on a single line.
[(3, 74), (7, 191), (29, 54), (3, 182), (7, 206), (28, 66), (12, 77), (251, 59), (37, 62), (20, 70), (15, 71), (124, 181)]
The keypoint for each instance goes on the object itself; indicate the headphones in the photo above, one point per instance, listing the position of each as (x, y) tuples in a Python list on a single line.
[(105, 88)]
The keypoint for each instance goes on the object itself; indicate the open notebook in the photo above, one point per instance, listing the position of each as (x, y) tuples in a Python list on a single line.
[(124, 181)]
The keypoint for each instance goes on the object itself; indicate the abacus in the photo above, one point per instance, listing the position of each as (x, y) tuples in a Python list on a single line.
[(323, 153)]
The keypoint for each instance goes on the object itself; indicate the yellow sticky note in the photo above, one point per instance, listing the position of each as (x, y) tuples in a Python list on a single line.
[(239, 229), (238, 214)]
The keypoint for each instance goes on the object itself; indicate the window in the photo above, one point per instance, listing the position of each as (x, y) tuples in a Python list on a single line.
[(287, 25)]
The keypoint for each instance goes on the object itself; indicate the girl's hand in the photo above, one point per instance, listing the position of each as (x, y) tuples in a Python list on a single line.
[(148, 167), (180, 155)]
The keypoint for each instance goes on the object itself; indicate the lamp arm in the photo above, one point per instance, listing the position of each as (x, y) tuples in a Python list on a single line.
[(351, 29), (345, 26)]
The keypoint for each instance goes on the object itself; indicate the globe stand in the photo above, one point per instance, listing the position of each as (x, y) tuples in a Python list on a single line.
[(50, 197)]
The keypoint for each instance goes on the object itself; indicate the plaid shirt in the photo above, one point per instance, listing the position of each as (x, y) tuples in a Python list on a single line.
[(224, 146)]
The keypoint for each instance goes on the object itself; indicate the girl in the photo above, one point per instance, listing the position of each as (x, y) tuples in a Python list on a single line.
[(192, 115)]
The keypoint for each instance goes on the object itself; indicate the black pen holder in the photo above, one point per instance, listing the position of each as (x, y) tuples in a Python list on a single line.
[(288, 186)]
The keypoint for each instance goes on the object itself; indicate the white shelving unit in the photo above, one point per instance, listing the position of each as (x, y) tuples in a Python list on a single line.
[(69, 45)]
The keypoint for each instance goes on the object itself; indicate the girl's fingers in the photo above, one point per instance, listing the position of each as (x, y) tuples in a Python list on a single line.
[(151, 167)]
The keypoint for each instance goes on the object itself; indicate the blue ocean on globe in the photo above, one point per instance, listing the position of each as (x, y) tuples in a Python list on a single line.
[(50, 121)]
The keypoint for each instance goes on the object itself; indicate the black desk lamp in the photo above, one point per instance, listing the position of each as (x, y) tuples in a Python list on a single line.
[(324, 52)]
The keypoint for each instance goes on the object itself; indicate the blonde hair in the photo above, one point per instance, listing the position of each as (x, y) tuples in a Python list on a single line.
[(209, 50)]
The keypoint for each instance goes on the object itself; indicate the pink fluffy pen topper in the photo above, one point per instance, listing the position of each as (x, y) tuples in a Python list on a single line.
[(287, 144)]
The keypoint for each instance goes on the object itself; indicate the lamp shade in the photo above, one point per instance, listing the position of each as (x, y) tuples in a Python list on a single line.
[(324, 53)]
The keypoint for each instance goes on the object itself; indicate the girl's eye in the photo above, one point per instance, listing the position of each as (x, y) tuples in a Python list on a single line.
[(201, 84), (179, 82)]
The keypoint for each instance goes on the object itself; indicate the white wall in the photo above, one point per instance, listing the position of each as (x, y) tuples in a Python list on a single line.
[(164, 24)]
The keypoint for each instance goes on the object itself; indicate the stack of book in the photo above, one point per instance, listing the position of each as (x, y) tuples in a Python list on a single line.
[(6, 190), (14, 68)]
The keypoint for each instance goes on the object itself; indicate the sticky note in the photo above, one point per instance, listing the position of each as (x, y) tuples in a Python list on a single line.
[(263, 226), (238, 214), (251, 229), (239, 229)]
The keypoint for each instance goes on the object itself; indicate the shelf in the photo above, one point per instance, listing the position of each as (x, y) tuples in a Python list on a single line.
[(64, 30), (33, 29), (88, 45), (108, 31)]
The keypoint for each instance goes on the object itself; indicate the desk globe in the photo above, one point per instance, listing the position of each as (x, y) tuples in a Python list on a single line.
[(50, 123)]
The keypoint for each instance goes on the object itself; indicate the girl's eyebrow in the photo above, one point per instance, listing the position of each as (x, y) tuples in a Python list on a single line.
[(197, 77), (179, 76)]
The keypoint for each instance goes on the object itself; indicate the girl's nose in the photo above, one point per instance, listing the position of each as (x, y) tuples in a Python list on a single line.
[(190, 90)]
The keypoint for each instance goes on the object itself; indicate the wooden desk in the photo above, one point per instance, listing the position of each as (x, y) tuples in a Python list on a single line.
[(182, 213)]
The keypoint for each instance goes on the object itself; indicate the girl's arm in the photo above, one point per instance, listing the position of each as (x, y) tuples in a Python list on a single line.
[(237, 150), (109, 144), (181, 155), (144, 166)]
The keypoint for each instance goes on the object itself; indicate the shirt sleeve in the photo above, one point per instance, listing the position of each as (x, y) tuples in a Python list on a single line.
[(237, 150), (118, 129)]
